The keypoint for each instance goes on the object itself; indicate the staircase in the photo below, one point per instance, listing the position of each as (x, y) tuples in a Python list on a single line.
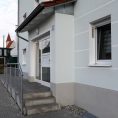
[(39, 102), (31, 97)]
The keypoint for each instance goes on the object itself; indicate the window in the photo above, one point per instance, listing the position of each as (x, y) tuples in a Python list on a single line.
[(24, 57), (25, 16), (5, 52), (36, 3), (101, 42), (46, 49), (1, 52), (104, 42)]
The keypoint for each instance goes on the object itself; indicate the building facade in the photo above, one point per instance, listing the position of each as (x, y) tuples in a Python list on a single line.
[(72, 49), (96, 73), (23, 12)]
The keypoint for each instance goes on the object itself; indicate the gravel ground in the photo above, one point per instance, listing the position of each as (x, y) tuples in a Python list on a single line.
[(77, 111)]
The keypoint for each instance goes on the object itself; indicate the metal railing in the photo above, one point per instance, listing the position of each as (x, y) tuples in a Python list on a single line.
[(13, 81)]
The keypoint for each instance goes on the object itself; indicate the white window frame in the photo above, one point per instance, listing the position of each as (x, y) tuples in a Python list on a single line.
[(93, 43)]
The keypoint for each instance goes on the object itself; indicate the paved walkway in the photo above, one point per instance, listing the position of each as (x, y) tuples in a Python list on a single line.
[(8, 109)]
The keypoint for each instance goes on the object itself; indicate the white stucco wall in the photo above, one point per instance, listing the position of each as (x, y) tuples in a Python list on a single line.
[(24, 7), (22, 45), (64, 45), (87, 11)]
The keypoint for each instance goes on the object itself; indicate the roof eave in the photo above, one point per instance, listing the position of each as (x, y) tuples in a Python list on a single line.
[(39, 8)]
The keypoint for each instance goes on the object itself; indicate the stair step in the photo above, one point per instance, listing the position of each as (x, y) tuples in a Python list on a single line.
[(39, 101), (38, 94), (42, 108)]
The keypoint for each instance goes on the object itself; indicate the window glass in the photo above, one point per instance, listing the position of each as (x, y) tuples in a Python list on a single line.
[(5, 52), (104, 42), (24, 56), (25, 16), (0, 52), (46, 49), (46, 74)]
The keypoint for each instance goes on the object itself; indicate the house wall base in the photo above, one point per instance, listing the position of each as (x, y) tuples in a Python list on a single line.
[(64, 93), (25, 75), (31, 78), (98, 101)]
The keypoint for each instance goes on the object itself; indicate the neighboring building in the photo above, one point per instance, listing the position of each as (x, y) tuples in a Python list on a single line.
[(5, 55), (72, 49), (12, 44)]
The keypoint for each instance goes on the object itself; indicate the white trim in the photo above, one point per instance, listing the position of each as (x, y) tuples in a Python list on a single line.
[(82, 32), (45, 83), (104, 62), (101, 64), (84, 50), (39, 40), (91, 46), (101, 23), (42, 82)]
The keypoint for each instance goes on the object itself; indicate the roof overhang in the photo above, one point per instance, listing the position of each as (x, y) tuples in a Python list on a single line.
[(40, 13)]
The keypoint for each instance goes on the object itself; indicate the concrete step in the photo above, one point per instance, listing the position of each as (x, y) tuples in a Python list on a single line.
[(39, 101), (37, 94), (42, 108)]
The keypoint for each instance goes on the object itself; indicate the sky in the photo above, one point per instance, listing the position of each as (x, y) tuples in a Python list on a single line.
[(8, 19)]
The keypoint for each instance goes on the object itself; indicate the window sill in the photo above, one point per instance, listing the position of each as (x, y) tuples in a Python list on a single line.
[(23, 64), (100, 65)]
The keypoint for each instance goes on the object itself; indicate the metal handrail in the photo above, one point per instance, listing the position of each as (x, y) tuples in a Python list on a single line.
[(14, 75)]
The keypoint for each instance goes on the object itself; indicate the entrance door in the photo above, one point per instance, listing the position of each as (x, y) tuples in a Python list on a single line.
[(44, 61), (1, 65)]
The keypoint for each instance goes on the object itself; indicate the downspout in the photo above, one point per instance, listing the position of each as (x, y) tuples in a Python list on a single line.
[(22, 37)]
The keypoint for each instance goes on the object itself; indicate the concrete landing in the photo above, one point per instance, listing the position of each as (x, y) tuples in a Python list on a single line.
[(32, 87)]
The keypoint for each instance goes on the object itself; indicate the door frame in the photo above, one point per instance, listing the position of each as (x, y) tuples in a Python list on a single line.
[(37, 80)]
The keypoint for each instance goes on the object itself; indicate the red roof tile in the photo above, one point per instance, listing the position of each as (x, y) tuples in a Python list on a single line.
[(8, 38), (55, 2)]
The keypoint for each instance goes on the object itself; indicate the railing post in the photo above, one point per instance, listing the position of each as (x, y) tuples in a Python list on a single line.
[(21, 88), (10, 81), (5, 74), (22, 94), (6, 81)]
